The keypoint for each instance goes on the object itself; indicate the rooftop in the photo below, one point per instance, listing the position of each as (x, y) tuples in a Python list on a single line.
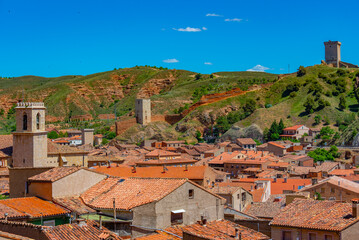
[(54, 174), (246, 141), (312, 214)]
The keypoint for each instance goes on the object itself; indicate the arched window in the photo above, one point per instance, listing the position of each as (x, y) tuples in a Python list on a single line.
[(38, 121), (24, 122)]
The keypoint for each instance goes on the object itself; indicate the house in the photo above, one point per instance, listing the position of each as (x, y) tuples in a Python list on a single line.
[(311, 219), (202, 175), (333, 188), (98, 139), (62, 182), (278, 148), (158, 154), (103, 160), (76, 231), (246, 143), (299, 160), (33, 210), (204, 230), (174, 144), (148, 203), (295, 132), (237, 197)]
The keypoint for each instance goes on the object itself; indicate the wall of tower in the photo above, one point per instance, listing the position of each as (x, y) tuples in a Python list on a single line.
[(30, 138), (332, 53), (87, 136), (143, 111)]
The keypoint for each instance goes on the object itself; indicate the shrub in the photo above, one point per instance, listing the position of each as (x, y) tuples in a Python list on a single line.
[(293, 94), (301, 71)]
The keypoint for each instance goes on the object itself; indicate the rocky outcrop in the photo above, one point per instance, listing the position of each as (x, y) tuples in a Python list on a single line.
[(235, 132)]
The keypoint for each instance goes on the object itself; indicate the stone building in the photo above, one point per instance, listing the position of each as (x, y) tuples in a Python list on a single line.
[(87, 136), (30, 138), (143, 111), (333, 55)]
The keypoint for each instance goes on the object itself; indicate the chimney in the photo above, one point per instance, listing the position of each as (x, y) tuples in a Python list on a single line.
[(314, 181), (275, 180), (238, 235), (81, 222), (6, 215), (100, 222), (133, 169), (355, 207), (203, 220), (186, 168), (285, 180)]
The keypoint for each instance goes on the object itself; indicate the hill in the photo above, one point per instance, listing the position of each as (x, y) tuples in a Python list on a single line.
[(172, 91)]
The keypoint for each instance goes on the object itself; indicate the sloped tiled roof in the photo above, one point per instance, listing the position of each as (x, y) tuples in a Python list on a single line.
[(130, 192), (161, 153), (190, 172), (337, 181), (292, 128), (75, 204), (313, 214), (30, 206), (246, 141), (54, 174), (264, 209), (89, 230)]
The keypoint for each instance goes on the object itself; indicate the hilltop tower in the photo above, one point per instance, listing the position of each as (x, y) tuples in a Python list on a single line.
[(332, 53), (30, 138), (143, 111)]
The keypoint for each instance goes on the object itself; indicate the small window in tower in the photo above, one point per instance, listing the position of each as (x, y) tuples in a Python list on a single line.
[(24, 122), (38, 121)]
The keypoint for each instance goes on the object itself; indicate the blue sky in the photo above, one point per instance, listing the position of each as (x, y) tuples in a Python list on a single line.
[(52, 38)]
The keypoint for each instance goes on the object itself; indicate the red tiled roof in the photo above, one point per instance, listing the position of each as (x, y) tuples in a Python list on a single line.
[(32, 207), (129, 192), (276, 144), (292, 128), (342, 172), (89, 230), (161, 153), (54, 174), (5, 145), (190, 172), (75, 204), (312, 214), (277, 187), (246, 141)]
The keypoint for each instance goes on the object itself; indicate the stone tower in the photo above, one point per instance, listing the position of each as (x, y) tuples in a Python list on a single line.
[(30, 138), (332, 53), (87, 136), (143, 111)]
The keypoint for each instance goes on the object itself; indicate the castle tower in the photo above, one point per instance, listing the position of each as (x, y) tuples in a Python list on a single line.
[(30, 138), (143, 111), (332, 53), (87, 136)]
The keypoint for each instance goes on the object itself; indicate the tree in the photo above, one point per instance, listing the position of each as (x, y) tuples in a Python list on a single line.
[(249, 107), (309, 105), (326, 133), (317, 119), (342, 103), (198, 76), (104, 141), (53, 135), (301, 71), (281, 126)]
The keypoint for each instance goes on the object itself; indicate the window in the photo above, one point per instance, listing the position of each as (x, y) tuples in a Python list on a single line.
[(244, 196), (24, 122), (287, 235), (237, 196), (322, 190), (176, 218), (312, 236), (191, 193), (38, 121), (328, 237), (332, 190)]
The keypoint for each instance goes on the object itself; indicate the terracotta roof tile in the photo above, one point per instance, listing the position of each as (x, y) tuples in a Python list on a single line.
[(312, 214), (129, 192), (190, 172), (293, 127), (161, 153), (32, 207), (5, 145), (264, 209), (246, 141), (89, 230), (54, 174), (74, 204)]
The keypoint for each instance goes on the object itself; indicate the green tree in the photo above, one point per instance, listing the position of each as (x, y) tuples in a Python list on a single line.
[(309, 105), (198, 76), (342, 102), (317, 119), (52, 135), (301, 71), (249, 107), (104, 141), (280, 126)]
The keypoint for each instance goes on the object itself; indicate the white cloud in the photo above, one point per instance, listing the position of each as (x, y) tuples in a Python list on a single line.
[(208, 63), (171, 60), (258, 68), (204, 28), (213, 15), (233, 20), (188, 29)]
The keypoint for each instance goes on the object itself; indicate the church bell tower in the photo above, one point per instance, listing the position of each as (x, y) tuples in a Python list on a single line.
[(30, 138)]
